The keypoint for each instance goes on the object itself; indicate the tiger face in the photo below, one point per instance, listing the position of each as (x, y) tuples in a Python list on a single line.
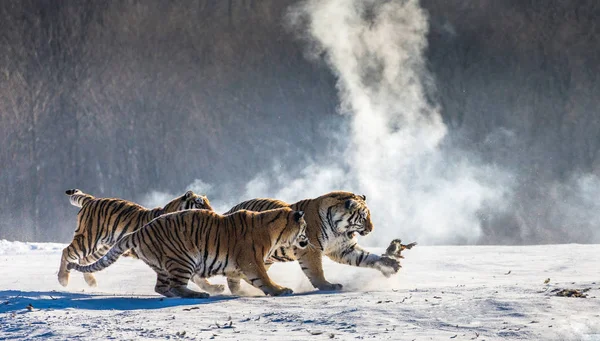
[(189, 200), (295, 232), (299, 239), (352, 216)]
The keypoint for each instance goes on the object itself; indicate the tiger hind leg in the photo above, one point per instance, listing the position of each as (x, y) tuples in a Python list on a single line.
[(205, 285), (162, 285), (179, 275), (63, 272), (178, 287), (71, 254), (90, 279)]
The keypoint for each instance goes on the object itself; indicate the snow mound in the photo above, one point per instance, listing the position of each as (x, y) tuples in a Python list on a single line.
[(19, 248)]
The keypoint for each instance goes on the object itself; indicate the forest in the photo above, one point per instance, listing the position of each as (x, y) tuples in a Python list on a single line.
[(119, 98)]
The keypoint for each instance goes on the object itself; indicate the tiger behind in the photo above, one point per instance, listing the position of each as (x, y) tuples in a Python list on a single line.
[(332, 220), (103, 221), (178, 245)]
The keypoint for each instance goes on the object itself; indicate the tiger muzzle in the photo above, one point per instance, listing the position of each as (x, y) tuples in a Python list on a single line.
[(364, 232), (367, 228), (302, 241)]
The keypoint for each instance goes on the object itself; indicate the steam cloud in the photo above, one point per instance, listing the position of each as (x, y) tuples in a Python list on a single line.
[(393, 154)]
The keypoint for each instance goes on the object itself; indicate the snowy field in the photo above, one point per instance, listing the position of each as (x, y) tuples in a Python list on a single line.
[(441, 293)]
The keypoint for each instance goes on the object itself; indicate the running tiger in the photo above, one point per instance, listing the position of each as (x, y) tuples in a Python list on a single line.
[(179, 245), (103, 221), (332, 221)]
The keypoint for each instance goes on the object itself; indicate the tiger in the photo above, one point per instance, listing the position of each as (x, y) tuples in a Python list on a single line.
[(333, 220), (181, 244), (103, 221)]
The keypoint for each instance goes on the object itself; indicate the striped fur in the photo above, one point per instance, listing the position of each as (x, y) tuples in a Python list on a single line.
[(103, 221), (178, 245), (332, 221)]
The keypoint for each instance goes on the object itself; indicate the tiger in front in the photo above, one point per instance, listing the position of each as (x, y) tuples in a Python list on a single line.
[(332, 221), (103, 221), (179, 245)]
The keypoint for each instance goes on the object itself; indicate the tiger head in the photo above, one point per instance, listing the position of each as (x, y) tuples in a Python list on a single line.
[(189, 200), (298, 239), (350, 215)]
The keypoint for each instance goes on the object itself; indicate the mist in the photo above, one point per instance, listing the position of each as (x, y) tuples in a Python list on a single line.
[(393, 142), (462, 124)]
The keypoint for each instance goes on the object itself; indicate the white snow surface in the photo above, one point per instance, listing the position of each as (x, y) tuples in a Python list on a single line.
[(441, 293)]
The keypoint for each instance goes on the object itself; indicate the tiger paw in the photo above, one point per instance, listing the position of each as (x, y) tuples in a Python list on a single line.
[(90, 280), (282, 291), (63, 278), (200, 295), (215, 288), (330, 287), (388, 266)]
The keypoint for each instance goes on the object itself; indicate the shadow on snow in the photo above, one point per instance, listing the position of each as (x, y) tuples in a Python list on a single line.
[(17, 301)]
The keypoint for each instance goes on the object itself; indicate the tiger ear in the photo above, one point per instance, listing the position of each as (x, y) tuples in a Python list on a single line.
[(188, 195), (200, 200), (351, 204), (298, 215), (364, 197)]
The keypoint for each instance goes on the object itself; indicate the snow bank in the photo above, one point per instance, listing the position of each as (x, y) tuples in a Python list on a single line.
[(18, 248)]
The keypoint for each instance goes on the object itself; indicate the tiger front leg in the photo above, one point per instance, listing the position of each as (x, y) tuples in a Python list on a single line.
[(387, 265), (205, 285), (311, 262), (235, 286), (235, 283), (354, 255), (256, 275)]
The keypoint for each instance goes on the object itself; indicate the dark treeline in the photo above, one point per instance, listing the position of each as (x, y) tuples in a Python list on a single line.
[(122, 97)]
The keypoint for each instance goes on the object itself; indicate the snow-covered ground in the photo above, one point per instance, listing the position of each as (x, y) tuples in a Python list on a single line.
[(441, 293)]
